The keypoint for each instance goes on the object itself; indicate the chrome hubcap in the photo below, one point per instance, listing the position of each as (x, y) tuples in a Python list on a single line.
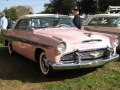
[(9, 49), (44, 65)]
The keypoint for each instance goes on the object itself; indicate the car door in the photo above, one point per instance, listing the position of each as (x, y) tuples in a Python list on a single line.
[(22, 43)]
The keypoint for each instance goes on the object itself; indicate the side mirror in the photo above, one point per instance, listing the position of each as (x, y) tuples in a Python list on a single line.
[(32, 28)]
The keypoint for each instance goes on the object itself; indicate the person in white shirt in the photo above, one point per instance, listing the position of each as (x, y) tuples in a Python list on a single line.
[(3, 22)]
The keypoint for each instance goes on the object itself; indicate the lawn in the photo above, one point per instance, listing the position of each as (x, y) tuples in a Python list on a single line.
[(18, 73)]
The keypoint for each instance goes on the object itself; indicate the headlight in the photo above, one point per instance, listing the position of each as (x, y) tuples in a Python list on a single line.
[(116, 42), (115, 36), (61, 48)]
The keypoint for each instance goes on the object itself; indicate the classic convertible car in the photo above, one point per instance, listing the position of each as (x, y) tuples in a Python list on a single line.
[(56, 44)]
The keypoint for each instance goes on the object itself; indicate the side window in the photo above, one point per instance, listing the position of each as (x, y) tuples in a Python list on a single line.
[(116, 21), (105, 21), (42, 22), (93, 22), (23, 24), (35, 23), (46, 22), (18, 24), (65, 21)]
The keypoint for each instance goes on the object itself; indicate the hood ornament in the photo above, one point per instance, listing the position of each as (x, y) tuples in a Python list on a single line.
[(88, 34)]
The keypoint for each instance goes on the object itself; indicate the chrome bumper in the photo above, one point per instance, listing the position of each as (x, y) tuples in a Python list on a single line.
[(84, 64)]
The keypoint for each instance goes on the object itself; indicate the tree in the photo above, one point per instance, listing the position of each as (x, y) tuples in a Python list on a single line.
[(97, 6), (11, 13), (22, 10), (103, 5), (88, 6), (114, 2), (65, 6), (60, 6), (15, 12)]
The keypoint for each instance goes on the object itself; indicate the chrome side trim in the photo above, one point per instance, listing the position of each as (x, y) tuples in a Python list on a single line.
[(84, 64)]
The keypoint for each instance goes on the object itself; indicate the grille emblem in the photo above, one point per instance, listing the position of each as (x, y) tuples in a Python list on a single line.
[(94, 54)]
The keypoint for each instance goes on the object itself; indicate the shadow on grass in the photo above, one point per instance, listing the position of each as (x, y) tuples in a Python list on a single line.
[(17, 67)]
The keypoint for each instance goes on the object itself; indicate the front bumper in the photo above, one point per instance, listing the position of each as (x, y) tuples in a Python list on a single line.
[(84, 64)]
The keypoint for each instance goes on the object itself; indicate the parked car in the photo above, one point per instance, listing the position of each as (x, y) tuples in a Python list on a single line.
[(114, 9), (56, 44), (105, 23)]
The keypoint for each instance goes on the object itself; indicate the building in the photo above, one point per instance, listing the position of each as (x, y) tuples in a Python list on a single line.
[(114, 9)]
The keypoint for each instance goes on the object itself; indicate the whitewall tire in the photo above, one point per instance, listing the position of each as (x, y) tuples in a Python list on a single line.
[(44, 64), (10, 50)]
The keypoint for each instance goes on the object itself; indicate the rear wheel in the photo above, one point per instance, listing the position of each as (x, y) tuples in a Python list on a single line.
[(10, 50), (44, 64)]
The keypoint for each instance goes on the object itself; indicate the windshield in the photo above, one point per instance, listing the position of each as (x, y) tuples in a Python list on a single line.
[(44, 22)]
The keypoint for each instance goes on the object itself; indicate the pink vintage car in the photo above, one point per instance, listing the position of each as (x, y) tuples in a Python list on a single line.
[(56, 44)]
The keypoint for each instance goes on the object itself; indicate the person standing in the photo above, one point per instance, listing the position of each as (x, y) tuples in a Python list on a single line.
[(77, 20), (3, 22), (9, 24)]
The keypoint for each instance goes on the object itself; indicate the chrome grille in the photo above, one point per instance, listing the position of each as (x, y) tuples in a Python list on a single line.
[(68, 58), (86, 55), (93, 54)]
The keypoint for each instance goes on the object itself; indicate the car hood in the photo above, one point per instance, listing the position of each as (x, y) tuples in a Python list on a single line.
[(72, 35)]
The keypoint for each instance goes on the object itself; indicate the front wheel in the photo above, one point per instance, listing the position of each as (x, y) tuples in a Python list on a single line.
[(10, 50), (44, 64)]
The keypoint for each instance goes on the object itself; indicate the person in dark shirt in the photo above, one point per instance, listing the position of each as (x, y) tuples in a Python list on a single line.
[(77, 20), (9, 24)]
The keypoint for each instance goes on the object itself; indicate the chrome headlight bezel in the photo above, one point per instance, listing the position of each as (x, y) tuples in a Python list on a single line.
[(61, 47), (116, 42), (115, 36)]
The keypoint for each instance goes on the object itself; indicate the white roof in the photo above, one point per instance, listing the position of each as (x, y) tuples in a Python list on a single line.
[(41, 15), (106, 15)]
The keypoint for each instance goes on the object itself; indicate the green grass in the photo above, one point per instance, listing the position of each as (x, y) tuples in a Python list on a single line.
[(106, 78), (94, 81), (19, 73), (1, 45)]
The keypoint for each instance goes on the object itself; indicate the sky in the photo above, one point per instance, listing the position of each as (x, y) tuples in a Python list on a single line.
[(37, 5)]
